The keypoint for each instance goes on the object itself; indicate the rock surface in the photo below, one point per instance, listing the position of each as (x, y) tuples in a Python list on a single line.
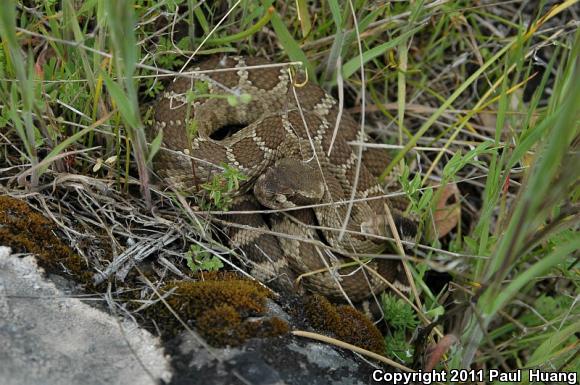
[(275, 361), (47, 337)]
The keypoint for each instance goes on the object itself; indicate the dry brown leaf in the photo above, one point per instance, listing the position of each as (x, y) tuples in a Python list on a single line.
[(447, 210), (437, 351)]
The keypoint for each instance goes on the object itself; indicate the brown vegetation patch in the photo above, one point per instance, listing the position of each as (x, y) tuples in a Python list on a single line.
[(344, 322), (26, 231), (219, 306)]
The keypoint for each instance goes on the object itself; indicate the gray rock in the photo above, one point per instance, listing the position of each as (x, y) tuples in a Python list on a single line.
[(283, 360), (48, 338)]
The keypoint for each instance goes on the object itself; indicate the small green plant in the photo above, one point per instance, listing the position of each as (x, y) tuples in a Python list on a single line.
[(167, 56), (458, 161), (398, 347), (201, 89), (199, 259), (420, 199), (234, 100), (222, 185), (401, 319)]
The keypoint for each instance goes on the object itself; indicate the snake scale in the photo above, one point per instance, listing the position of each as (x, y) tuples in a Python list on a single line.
[(281, 139)]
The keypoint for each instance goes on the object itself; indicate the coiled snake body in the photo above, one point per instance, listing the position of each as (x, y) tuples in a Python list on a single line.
[(286, 149)]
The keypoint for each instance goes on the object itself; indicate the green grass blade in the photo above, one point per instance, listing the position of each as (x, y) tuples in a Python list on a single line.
[(548, 347), (121, 24), (353, 65), (25, 83), (541, 267), (246, 33), (448, 102), (290, 45)]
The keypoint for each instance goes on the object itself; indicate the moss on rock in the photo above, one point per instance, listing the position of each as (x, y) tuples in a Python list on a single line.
[(219, 306), (27, 231), (344, 322)]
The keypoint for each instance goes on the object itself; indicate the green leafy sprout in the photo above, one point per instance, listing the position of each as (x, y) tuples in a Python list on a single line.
[(222, 185), (199, 259)]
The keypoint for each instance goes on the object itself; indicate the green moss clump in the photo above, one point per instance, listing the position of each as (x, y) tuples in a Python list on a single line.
[(219, 305), (344, 322), (26, 231)]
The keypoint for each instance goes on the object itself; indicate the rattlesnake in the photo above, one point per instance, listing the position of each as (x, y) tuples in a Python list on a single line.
[(281, 144)]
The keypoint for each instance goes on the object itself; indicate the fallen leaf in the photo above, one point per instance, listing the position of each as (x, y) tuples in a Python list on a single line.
[(447, 210), (436, 352)]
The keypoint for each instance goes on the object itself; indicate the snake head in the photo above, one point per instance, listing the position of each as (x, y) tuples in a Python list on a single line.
[(289, 183)]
